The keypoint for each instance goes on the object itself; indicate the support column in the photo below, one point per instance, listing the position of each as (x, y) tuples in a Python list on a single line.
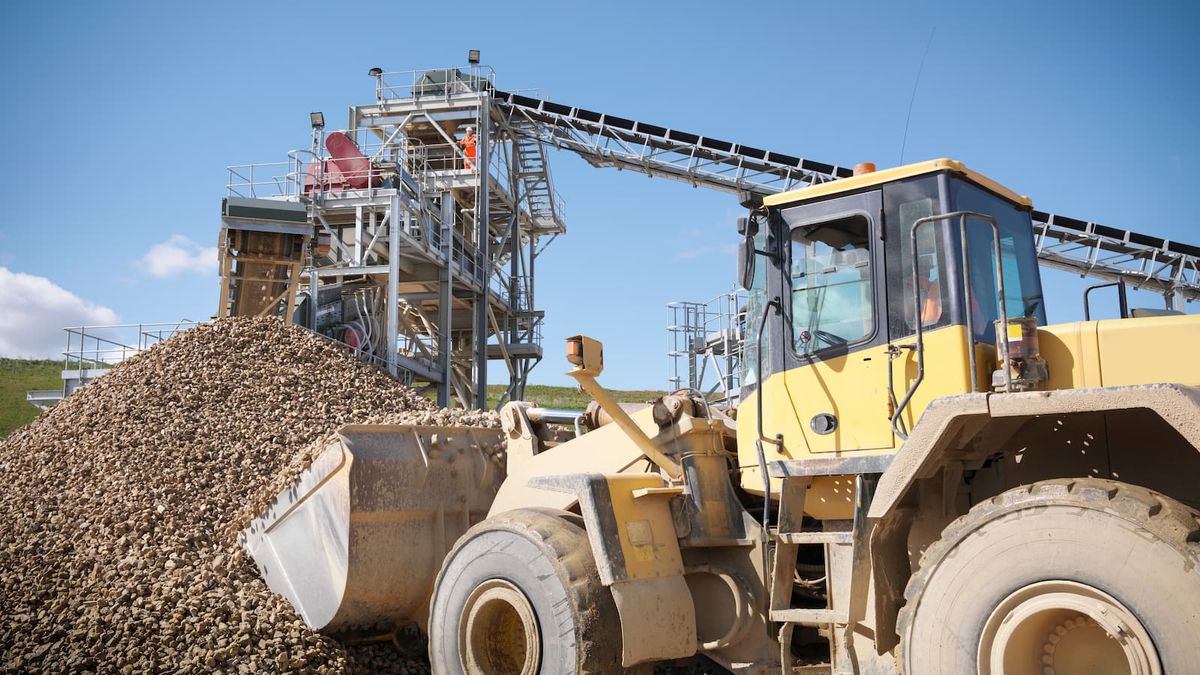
[(514, 298), (1174, 297), (531, 325), (516, 169), (396, 214), (314, 285), (529, 266), (358, 236), (445, 299), (483, 256)]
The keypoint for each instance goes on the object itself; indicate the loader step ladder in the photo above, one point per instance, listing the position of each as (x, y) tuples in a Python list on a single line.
[(1077, 246), (842, 549)]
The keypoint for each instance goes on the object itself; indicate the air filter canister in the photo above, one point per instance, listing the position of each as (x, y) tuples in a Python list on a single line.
[(1019, 355)]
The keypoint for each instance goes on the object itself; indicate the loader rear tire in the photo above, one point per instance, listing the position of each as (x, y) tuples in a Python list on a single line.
[(1061, 576), (520, 593)]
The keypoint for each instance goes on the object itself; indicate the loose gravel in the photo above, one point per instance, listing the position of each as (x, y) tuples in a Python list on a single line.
[(120, 507)]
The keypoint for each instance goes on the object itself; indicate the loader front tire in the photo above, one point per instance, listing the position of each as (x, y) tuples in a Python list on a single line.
[(1061, 576), (519, 593)]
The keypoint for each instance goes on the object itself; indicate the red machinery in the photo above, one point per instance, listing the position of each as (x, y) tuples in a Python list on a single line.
[(346, 169)]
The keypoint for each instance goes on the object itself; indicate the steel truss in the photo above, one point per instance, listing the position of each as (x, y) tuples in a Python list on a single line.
[(1081, 247), (702, 161)]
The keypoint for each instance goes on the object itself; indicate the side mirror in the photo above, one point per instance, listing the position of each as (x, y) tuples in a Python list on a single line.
[(746, 263), (748, 228)]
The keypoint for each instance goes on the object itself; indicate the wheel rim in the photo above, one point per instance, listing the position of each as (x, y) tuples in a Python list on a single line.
[(498, 631), (1060, 627)]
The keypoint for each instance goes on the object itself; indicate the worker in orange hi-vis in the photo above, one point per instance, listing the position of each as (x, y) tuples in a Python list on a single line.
[(468, 144)]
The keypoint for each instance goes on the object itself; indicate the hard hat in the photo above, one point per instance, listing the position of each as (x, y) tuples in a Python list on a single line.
[(470, 128)]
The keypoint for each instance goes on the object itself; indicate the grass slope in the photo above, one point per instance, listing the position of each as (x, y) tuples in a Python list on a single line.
[(18, 376)]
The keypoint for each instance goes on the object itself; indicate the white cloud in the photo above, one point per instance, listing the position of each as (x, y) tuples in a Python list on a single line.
[(36, 310), (178, 255)]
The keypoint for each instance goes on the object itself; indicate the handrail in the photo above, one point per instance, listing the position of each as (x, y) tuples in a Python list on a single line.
[(1122, 298), (110, 348), (403, 84), (966, 284)]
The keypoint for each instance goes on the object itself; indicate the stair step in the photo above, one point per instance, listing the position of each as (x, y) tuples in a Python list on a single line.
[(813, 537), (810, 617)]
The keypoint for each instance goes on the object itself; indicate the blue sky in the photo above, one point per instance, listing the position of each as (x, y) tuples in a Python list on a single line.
[(119, 120)]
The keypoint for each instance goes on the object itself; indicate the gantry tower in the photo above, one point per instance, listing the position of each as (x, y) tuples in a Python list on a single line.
[(388, 236)]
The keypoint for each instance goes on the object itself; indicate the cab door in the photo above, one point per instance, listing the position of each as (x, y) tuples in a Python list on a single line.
[(834, 327)]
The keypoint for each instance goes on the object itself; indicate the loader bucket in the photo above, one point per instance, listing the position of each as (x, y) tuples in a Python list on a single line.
[(356, 542)]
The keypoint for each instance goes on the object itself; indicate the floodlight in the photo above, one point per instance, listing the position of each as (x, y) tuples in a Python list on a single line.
[(317, 119), (473, 57), (375, 72)]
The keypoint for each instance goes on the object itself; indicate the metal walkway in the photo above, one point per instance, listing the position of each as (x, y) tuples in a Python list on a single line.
[(1081, 247)]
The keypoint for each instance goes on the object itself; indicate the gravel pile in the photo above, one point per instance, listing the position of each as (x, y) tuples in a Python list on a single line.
[(120, 507)]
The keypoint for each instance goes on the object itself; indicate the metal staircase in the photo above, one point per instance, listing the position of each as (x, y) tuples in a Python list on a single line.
[(1081, 247), (544, 205)]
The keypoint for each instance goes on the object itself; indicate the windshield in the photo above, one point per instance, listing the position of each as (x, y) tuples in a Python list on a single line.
[(1022, 283)]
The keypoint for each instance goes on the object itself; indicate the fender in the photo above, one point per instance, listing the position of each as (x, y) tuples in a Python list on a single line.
[(954, 422), (973, 427), (632, 536)]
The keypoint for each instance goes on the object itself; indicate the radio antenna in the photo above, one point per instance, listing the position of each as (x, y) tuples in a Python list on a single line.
[(913, 98)]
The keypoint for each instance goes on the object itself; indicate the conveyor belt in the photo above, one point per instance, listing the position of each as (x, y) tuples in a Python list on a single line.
[(608, 140), (1095, 250), (1085, 248)]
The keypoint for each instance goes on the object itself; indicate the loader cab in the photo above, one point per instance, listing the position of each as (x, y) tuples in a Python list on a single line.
[(839, 288)]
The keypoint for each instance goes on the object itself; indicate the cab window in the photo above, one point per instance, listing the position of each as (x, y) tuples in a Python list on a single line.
[(830, 273), (1018, 257), (929, 273), (905, 203)]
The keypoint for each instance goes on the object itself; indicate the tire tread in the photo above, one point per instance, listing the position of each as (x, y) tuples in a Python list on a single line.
[(1167, 518), (562, 536)]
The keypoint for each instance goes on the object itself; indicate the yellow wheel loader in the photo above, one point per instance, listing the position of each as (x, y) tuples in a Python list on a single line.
[(921, 477)]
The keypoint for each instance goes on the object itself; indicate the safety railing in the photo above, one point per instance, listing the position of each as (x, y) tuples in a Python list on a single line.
[(705, 345), (524, 290), (434, 82), (428, 167), (307, 172), (517, 295), (262, 180), (98, 348)]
